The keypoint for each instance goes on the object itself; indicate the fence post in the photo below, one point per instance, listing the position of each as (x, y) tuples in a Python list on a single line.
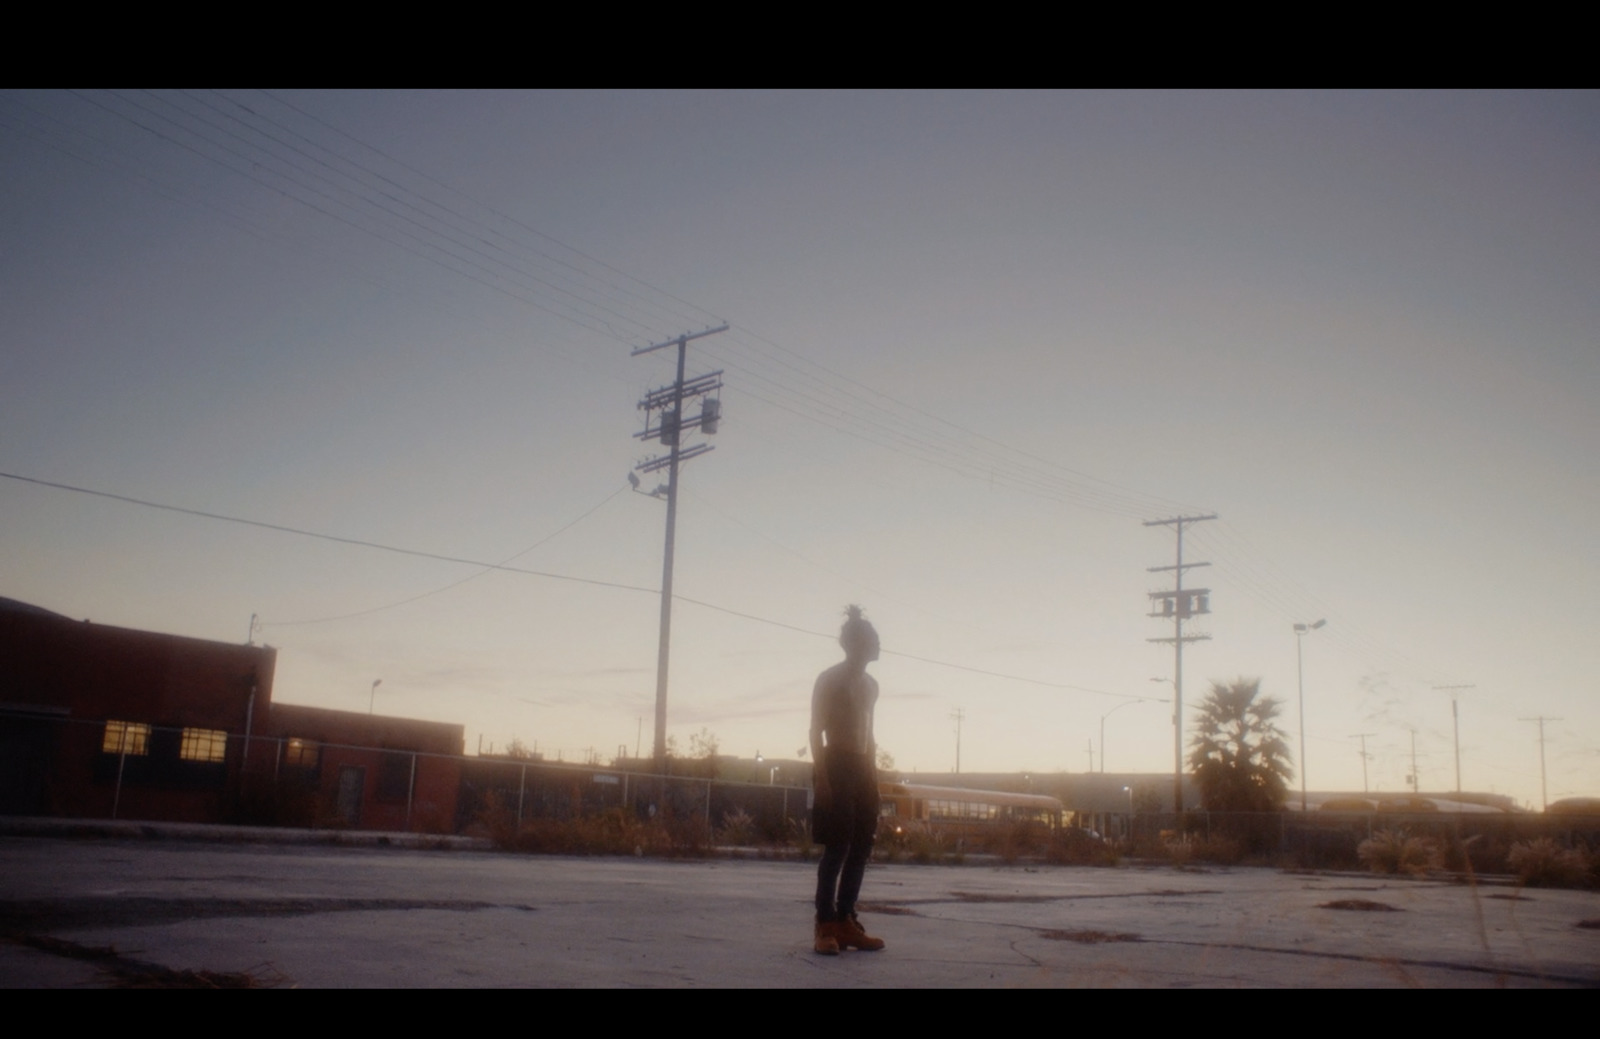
[(411, 790), (122, 757), (522, 792)]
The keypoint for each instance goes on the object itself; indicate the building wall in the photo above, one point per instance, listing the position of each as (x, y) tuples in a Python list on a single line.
[(62, 680), (368, 771), (64, 684)]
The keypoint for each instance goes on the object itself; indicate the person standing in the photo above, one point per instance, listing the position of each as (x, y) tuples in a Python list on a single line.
[(844, 817)]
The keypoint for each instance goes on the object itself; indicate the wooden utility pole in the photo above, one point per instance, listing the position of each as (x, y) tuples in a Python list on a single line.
[(1455, 721), (1179, 604), (669, 427), (1544, 789), (1362, 736)]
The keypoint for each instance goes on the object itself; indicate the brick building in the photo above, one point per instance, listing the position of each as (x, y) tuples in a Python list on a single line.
[(105, 722)]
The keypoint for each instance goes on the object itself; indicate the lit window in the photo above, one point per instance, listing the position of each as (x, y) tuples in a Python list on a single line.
[(300, 753), (126, 738), (203, 745)]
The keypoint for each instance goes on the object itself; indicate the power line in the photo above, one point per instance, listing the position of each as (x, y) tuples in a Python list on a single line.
[(904, 430), (325, 211), (453, 584), (795, 383), (701, 315), (418, 553), (426, 228), (282, 529)]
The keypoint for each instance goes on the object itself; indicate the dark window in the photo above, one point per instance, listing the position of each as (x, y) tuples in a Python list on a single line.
[(394, 776)]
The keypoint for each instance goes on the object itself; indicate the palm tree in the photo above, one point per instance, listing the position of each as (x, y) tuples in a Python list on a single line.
[(1239, 755)]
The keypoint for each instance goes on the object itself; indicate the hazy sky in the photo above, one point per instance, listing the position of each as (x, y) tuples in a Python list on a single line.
[(977, 339)]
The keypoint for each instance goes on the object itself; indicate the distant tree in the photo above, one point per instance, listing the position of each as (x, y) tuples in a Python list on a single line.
[(704, 744), (885, 760), (703, 749), (1239, 756)]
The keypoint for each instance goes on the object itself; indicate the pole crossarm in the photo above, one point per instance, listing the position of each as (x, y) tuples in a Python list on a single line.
[(668, 395), (651, 465), (677, 340), (1178, 519)]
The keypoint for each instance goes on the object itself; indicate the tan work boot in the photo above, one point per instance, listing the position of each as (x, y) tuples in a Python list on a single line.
[(827, 940), (851, 935)]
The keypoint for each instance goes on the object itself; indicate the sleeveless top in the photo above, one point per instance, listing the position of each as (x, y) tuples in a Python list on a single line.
[(842, 706)]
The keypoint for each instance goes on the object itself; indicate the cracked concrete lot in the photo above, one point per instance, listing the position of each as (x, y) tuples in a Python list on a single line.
[(97, 912)]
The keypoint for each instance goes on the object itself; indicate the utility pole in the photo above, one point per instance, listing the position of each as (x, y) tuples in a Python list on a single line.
[(956, 717), (1362, 736), (1300, 631), (1179, 604), (668, 427), (1416, 780), (1544, 789), (1455, 721)]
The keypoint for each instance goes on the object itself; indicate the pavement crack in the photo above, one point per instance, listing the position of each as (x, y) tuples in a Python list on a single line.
[(126, 972), (102, 911), (1395, 962)]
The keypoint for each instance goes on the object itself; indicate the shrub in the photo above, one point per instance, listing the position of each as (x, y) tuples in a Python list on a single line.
[(1220, 849), (800, 837), (1396, 851), (1544, 863), (1011, 841), (1074, 847), (931, 847), (738, 828), (616, 831)]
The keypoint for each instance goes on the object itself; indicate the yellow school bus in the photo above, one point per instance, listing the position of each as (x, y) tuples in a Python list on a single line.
[(910, 807)]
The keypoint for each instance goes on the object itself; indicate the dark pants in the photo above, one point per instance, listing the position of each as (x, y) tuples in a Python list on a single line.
[(846, 825)]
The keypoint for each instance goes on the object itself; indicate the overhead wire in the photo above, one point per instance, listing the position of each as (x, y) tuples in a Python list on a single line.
[(267, 623), (699, 314), (442, 230), (914, 431), (922, 442), (324, 210), (442, 557), (790, 381), (192, 195)]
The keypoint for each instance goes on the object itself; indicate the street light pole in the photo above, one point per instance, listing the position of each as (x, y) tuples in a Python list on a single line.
[(1103, 718), (1300, 668), (372, 697)]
